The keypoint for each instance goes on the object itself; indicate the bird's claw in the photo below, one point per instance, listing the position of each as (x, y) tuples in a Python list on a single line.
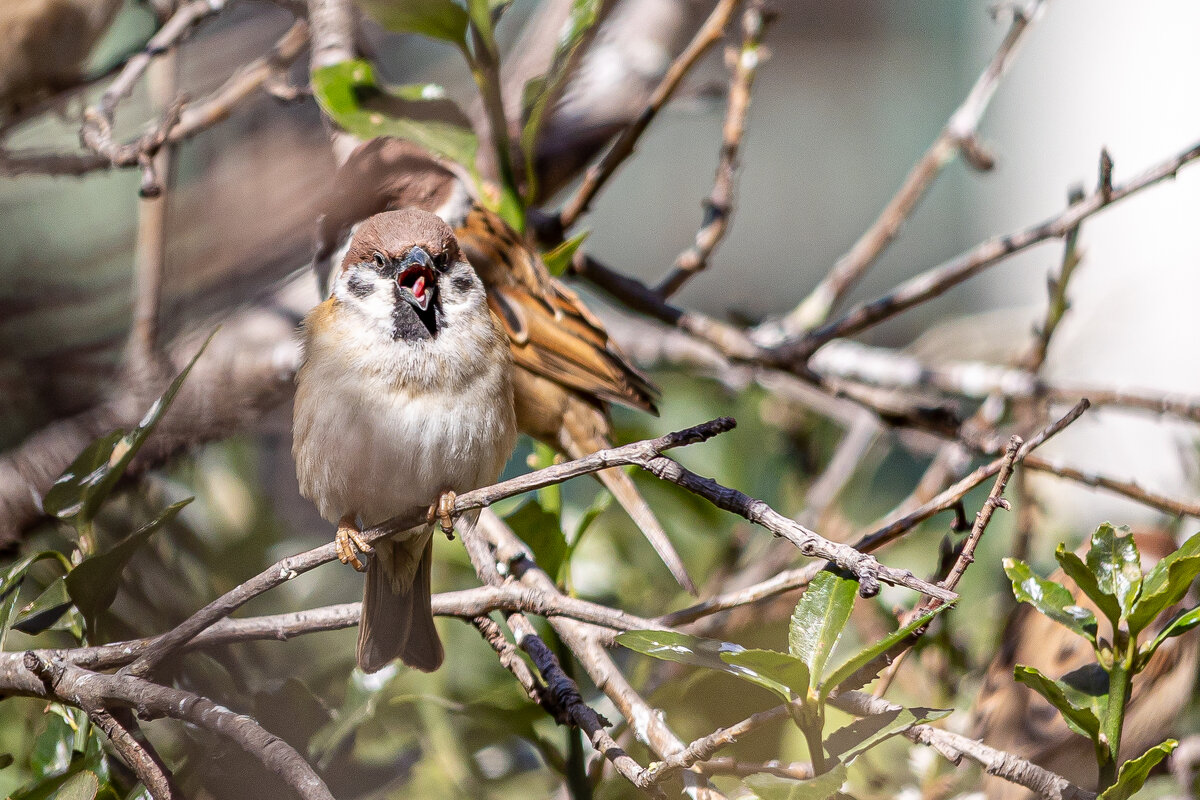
[(443, 512), (350, 543)]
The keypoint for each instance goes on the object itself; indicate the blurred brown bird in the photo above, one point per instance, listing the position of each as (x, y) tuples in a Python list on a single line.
[(566, 370), (1012, 717), (44, 44)]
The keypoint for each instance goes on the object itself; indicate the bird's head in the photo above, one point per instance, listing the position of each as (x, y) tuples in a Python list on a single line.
[(404, 272)]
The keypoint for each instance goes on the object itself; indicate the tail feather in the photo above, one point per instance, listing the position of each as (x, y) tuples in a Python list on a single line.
[(397, 616)]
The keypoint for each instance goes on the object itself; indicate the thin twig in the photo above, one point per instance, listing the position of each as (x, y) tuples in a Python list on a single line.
[(595, 178), (959, 136), (934, 282), (142, 759), (1176, 507), (718, 208)]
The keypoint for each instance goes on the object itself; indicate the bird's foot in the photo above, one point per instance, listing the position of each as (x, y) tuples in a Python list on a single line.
[(350, 543), (443, 512)]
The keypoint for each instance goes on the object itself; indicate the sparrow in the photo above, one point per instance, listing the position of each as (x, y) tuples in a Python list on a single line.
[(404, 398), (567, 371), (1012, 717)]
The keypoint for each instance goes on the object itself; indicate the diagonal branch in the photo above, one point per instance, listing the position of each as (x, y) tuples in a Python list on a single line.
[(598, 175), (959, 136)]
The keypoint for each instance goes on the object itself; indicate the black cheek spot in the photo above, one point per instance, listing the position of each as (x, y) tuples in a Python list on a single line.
[(462, 283), (359, 286)]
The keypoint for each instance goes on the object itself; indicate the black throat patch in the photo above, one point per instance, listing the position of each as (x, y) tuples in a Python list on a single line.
[(410, 323)]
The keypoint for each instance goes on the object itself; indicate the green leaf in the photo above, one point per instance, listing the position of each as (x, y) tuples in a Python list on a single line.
[(1083, 576), (848, 743), (343, 91), (437, 19), (1133, 773), (558, 260), (1117, 565), (603, 500), (10, 586), (1081, 720), (868, 654), (46, 610), (542, 531), (774, 787), (80, 786), (783, 674), (1051, 599), (93, 584), (1166, 584), (819, 619), (51, 754), (539, 91), (696, 651), (78, 494), (1181, 623)]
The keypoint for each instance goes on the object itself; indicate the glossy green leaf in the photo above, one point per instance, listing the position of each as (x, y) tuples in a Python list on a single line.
[(92, 585), (696, 651), (80, 491), (558, 260), (1117, 565), (1083, 576), (53, 747), (1166, 584), (848, 743), (46, 610), (80, 786), (10, 586), (1133, 774), (819, 619), (1081, 720), (344, 91), (437, 19), (542, 531), (774, 787), (1051, 599), (1181, 623), (864, 657), (784, 674)]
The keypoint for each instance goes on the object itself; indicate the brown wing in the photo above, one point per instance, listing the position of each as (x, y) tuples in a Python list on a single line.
[(552, 333)]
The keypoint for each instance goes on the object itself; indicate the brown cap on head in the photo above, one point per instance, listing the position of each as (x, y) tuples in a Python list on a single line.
[(394, 233)]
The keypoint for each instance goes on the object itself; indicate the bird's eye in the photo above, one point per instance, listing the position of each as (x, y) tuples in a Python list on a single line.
[(442, 262), (380, 260)]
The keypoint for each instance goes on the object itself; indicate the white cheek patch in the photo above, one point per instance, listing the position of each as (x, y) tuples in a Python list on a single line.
[(369, 293)]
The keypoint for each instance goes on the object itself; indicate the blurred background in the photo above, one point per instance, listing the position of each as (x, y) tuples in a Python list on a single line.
[(851, 96)]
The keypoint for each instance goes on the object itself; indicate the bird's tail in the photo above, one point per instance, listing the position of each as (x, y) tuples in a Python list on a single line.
[(397, 619), (578, 444)]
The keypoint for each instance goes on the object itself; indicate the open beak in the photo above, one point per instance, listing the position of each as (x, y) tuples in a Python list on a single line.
[(416, 279)]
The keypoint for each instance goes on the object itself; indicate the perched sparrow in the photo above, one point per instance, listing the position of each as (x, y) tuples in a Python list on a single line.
[(1012, 717), (405, 396), (567, 370)]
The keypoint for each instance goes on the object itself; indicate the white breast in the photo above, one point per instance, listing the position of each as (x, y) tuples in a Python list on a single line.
[(370, 445)]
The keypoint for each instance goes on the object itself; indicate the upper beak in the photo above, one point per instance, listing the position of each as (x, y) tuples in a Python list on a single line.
[(416, 278)]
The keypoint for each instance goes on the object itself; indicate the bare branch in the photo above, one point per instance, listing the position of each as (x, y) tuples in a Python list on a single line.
[(934, 282), (959, 136), (718, 208), (59, 680), (595, 178)]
